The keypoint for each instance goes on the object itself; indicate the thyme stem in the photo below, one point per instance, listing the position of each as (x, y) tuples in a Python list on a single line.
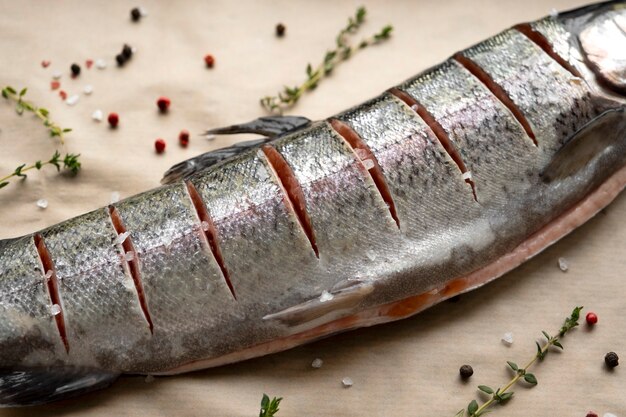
[(69, 162)]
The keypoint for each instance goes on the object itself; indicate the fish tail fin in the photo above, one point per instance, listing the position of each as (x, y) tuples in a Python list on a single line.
[(33, 386)]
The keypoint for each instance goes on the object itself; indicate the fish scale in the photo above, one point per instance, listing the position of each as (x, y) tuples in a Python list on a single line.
[(300, 231)]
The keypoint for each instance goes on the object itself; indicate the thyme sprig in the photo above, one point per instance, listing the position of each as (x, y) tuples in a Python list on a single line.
[(501, 395), (69, 162), (21, 105), (269, 408), (342, 51)]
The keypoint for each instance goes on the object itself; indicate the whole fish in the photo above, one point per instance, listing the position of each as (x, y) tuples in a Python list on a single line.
[(436, 187)]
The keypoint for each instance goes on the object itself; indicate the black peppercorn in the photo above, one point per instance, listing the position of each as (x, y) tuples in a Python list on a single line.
[(280, 30), (127, 51), (466, 371), (75, 68), (135, 14), (121, 59), (611, 359)]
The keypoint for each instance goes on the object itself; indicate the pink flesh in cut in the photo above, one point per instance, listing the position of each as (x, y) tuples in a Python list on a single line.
[(559, 227)]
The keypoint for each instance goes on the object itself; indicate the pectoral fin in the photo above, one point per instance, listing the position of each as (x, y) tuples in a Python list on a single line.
[(597, 136), (33, 386)]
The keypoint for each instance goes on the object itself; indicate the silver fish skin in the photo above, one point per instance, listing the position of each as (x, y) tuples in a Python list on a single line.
[(431, 189)]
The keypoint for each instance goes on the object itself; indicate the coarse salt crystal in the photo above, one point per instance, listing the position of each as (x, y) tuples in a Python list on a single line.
[(563, 264), (48, 274), (88, 89), (326, 296), (115, 196), (55, 309), (317, 363), (129, 256), (554, 13), (119, 239), (414, 107), (101, 63), (368, 164), (204, 225), (347, 382), (57, 74), (467, 175), (149, 379), (143, 12), (507, 338), (609, 415), (71, 100), (361, 153), (42, 203), (97, 115)]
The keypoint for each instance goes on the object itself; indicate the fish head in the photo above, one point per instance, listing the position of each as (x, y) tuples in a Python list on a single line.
[(601, 34)]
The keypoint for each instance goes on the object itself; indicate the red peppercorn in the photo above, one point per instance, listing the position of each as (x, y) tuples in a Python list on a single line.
[(63, 94), (45, 63), (159, 145), (209, 61), (591, 318), (164, 104), (55, 84), (183, 138), (113, 119), (89, 63), (591, 414)]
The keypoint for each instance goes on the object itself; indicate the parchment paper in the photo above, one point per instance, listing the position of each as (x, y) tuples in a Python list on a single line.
[(408, 368)]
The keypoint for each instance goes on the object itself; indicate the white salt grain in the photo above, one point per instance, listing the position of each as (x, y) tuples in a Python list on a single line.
[(347, 382), (317, 363), (368, 164), (507, 338), (71, 100), (57, 74), (48, 274), (467, 175), (97, 115), (42, 203), (55, 309), (361, 153), (554, 13), (129, 256), (414, 107), (121, 238), (88, 89), (115, 197), (205, 225), (143, 12), (609, 415), (563, 264), (326, 296), (149, 379), (101, 63)]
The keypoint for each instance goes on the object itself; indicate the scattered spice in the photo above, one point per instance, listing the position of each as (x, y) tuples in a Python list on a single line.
[(57, 75), (591, 414), (113, 120), (101, 63), (611, 359), (269, 408), (72, 100), (563, 264), (209, 60), (466, 371), (120, 59), (54, 84), (280, 30), (62, 94), (591, 318), (97, 115), (88, 89), (42, 203), (45, 63), (70, 162), (501, 395), (163, 103), (21, 105), (347, 382), (183, 138), (159, 145), (127, 51), (342, 51), (507, 338), (317, 363), (75, 68), (135, 14), (89, 63)]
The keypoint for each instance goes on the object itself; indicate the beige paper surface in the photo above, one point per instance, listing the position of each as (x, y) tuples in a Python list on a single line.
[(408, 368)]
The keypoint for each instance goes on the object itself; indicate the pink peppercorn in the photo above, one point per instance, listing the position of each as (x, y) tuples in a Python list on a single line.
[(159, 145), (183, 138), (209, 60), (163, 103), (113, 119), (591, 318)]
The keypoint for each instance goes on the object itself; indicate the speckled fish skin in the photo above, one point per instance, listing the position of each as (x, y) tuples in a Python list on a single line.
[(365, 258)]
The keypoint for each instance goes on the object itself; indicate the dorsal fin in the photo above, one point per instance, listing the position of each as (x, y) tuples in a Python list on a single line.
[(268, 126)]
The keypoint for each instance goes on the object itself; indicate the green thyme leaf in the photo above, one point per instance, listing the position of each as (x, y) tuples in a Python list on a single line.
[(472, 407), (486, 389), (3, 184), (513, 365), (530, 378)]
